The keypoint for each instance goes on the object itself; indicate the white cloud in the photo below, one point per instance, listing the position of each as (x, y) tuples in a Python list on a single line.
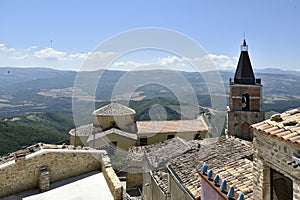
[(50, 54), (78, 56), (3, 47), (211, 61), (100, 54), (129, 65), (223, 61), (14, 57), (32, 47), (92, 55), (172, 60)]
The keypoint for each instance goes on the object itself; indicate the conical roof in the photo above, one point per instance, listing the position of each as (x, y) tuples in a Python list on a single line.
[(114, 109), (244, 72)]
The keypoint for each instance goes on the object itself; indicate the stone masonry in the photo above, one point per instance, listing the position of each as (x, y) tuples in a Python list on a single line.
[(41, 168), (272, 153)]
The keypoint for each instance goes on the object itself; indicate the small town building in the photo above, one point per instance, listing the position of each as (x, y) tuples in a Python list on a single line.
[(114, 128), (151, 132), (277, 157)]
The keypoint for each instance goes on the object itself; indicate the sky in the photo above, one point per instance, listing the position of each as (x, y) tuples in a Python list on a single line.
[(64, 34)]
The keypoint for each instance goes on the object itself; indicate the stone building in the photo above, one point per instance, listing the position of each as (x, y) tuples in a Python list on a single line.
[(114, 115), (151, 132), (277, 157), (37, 168), (245, 98), (114, 127)]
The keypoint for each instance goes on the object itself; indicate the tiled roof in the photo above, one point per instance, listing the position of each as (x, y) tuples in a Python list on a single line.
[(238, 173), (285, 126), (218, 154), (229, 157), (35, 148), (175, 126), (116, 131), (84, 130), (114, 109), (159, 154)]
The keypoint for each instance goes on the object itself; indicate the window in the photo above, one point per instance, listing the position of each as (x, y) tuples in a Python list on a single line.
[(197, 136), (170, 137), (281, 186), (115, 143), (245, 102), (143, 141), (113, 124)]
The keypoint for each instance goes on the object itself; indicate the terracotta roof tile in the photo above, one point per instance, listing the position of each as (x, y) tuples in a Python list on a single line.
[(258, 124), (282, 133), (174, 126), (227, 157), (285, 126), (294, 139)]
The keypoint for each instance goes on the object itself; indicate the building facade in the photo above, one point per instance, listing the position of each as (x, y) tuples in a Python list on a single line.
[(277, 157)]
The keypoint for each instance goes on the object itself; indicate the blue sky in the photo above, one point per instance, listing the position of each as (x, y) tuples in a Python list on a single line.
[(61, 34)]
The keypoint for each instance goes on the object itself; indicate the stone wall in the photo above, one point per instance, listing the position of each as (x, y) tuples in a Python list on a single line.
[(239, 120), (271, 152), (111, 178), (255, 95), (25, 172)]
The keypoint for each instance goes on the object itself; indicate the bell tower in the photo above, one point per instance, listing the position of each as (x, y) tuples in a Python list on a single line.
[(245, 98)]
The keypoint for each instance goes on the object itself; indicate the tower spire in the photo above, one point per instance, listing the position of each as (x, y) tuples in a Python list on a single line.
[(244, 72)]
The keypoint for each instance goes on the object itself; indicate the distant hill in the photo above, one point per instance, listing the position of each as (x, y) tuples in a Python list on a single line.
[(25, 90), (277, 71), (19, 132)]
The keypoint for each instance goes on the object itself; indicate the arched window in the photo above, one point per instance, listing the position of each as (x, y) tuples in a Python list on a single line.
[(245, 102)]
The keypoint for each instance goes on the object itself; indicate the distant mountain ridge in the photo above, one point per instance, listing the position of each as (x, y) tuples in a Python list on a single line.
[(37, 102), (22, 89), (277, 71)]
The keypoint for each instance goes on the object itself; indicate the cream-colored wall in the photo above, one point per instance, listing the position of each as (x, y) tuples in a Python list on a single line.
[(122, 142), (123, 122), (160, 137)]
